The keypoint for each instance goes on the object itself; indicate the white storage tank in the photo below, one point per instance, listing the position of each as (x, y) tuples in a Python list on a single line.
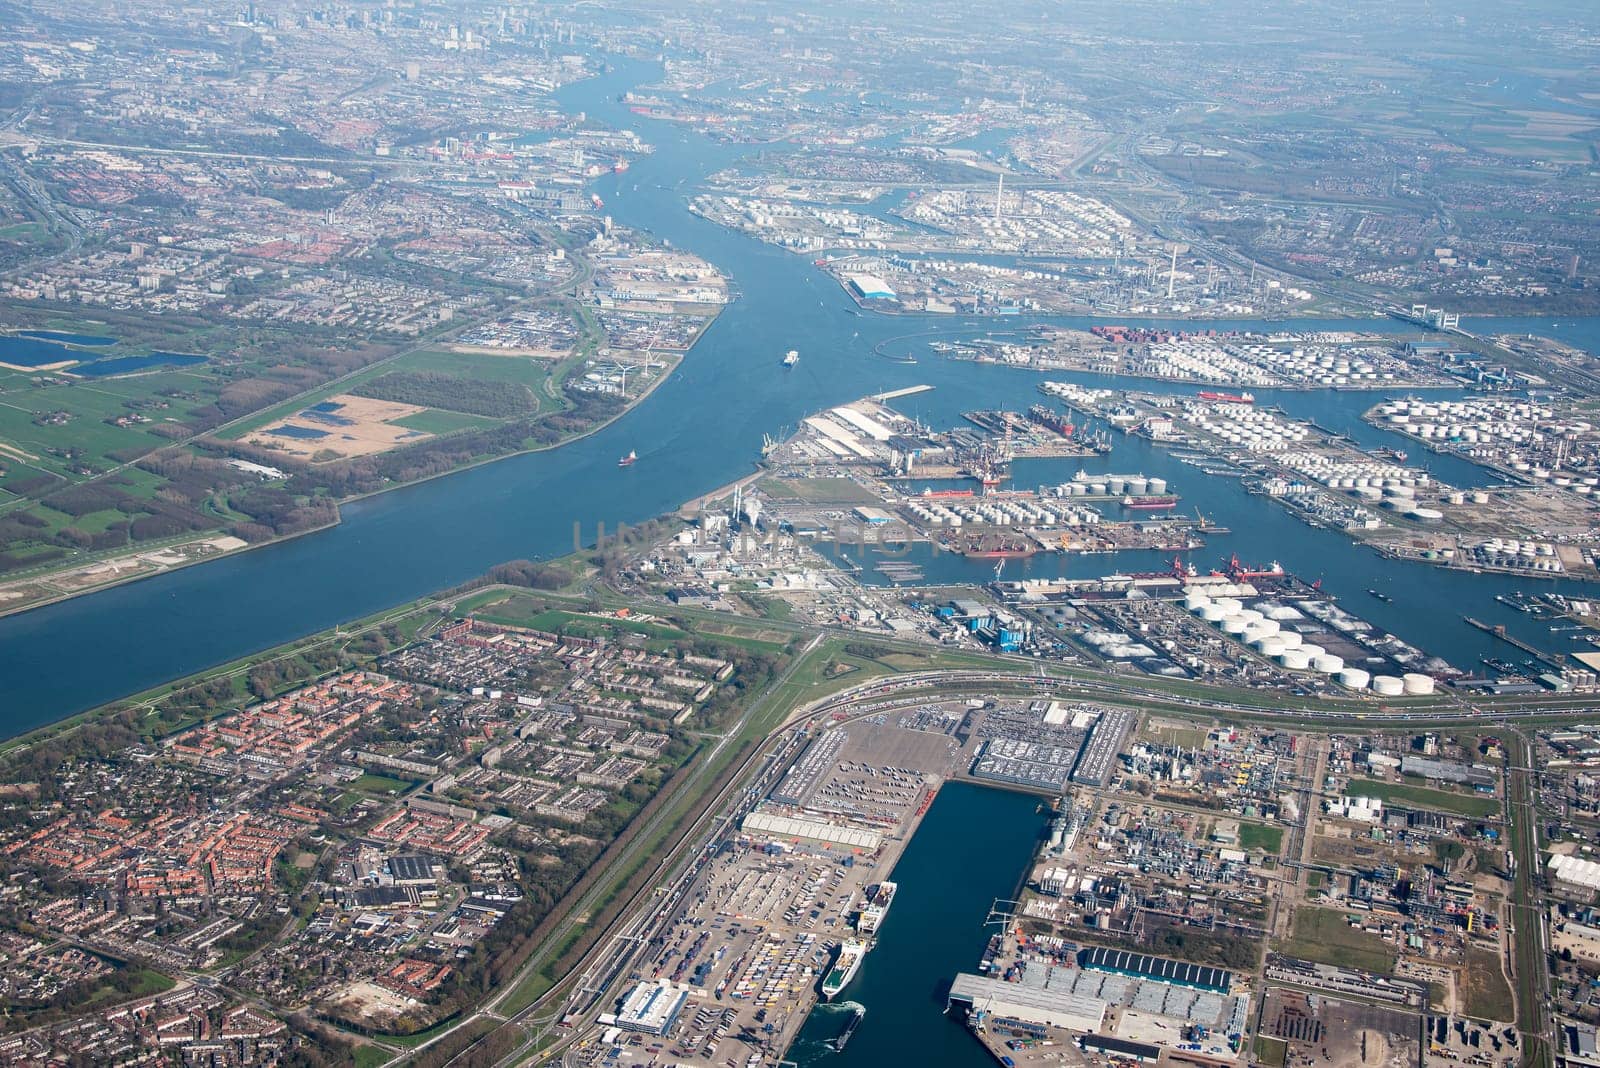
[(1271, 646), (1417, 684), (1235, 624), (1388, 685), (1213, 613), (1312, 649), (1355, 678), (1295, 659), (1195, 600), (1291, 639), (1328, 664), (1158, 486)]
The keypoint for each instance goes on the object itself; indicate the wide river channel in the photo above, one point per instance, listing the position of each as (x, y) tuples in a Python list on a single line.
[(700, 430)]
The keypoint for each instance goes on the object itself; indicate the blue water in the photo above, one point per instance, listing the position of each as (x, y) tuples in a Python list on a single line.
[(305, 433), (123, 365), (699, 430), (23, 351), (971, 849), (90, 340)]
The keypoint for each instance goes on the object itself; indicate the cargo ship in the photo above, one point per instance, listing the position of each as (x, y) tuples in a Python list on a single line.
[(1227, 398), (1146, 504), (876, 907), (845, 966), (1240, 572), (1051, 420)]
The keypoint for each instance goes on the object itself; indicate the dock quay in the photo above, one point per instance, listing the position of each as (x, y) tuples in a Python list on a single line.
[(1499, 631), (739, 957)]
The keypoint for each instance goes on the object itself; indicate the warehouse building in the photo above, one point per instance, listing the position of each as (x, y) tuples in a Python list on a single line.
[(870, 287), (1012, 1001), (651, 1008), (772, 825), (1161, 969), (1575, 872)]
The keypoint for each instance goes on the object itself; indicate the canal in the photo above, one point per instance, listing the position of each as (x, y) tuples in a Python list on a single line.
[(973, 848)]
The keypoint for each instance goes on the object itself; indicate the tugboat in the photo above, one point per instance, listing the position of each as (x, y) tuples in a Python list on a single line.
[(849, 1029), (1384, 597), (791, 358), (628, 460)]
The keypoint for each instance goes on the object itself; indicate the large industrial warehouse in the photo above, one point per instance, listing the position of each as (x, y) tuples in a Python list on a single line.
[(1012, 1001)]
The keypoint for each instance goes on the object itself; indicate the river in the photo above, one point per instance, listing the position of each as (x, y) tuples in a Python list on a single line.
[(699, 430)]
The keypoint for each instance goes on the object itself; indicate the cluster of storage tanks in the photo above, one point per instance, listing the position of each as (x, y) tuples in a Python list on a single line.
[(1264, 631), (1255, 364), (1509, 552), (1325, 367), (1087, 485), (1248, 428), (1508, 425), (1072, 393), (1002, 514), (1204, 360)]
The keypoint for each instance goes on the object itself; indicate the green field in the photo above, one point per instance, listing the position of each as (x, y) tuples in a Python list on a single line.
[(439, 421), (1487, 993), (379, 784), (1261, 836), (1472, 806), (1271, 1052), (516, 370), (371, 1056), (1324, 935), (1182, 737)]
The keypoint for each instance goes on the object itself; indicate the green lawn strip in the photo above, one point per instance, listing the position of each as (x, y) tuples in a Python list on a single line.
[(1473, 806)]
